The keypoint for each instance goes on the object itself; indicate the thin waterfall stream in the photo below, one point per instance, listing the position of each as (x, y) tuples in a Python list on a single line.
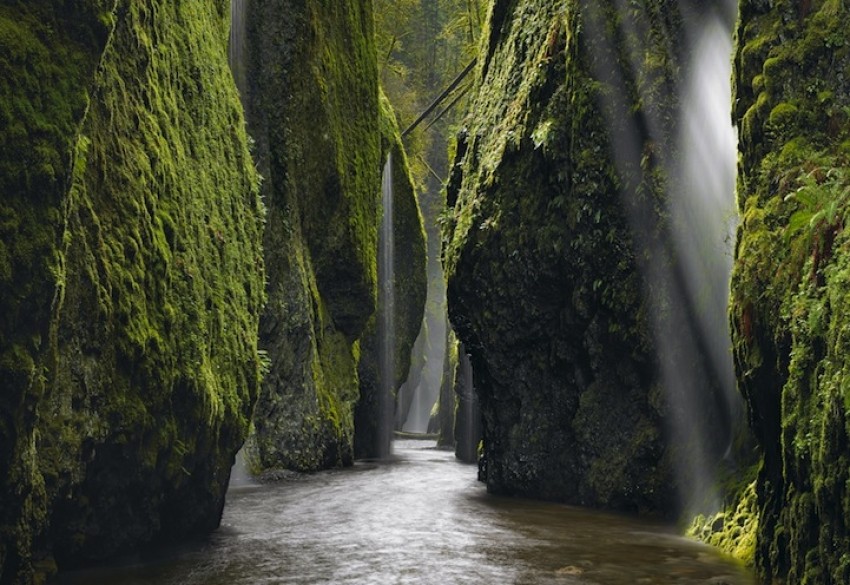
[(236, 47), (386, 311)]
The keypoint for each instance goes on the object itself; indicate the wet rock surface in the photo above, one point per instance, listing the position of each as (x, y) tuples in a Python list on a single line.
[(558, 232)]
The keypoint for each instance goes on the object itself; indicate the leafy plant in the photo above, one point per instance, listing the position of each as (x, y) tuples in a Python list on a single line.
[(821, 213)]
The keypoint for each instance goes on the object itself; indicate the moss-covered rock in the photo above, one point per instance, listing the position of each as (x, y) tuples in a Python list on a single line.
[(447, 403), (558, 232), (47, 61), (789, 287), (313, 110), (466, 430), (142, 286), (373, 414), (733, 529)]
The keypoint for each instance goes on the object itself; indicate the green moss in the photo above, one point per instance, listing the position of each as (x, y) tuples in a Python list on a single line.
[(544, 270), (314, 116), (782, 114), (789, 278), (340, 226), (734, 529), (46, 64), (145, 275)]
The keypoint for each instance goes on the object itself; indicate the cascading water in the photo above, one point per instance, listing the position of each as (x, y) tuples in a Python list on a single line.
[(239, 475), (386, 312), (236, 47), (420, 409), (705, 219)]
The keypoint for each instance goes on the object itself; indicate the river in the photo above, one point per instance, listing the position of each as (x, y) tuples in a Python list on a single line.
[(419, 519)]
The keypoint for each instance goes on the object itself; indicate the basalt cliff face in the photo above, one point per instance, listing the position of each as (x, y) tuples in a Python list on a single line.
[(789, 291), (131, 278), (320, 161), (315, 113), (558, 230)]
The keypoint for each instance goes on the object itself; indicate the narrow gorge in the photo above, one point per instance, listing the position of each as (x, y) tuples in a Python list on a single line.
[(457, 291)]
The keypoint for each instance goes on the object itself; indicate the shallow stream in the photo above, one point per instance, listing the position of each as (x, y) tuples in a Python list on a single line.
[(420, 519)]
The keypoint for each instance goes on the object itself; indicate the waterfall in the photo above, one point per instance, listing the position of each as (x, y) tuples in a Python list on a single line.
[(386, 311), (239, 474), (705, 218), (236, 47)]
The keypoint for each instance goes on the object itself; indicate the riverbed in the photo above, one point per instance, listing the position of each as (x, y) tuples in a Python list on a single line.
[(421, 518)]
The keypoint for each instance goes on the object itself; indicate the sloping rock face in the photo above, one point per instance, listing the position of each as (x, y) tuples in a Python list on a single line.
[(373, 415), (131, 278), (792, 270), (558, 230), (313, 110)]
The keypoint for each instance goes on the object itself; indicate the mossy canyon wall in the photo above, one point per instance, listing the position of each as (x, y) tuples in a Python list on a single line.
[(321, 167), (789, 291), (322, 135), (558, 252), (548, 277), (149, 247), (132, 277), (137, 255)]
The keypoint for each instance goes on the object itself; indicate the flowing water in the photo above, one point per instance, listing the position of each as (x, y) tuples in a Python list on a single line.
[(705, 216), (420, 518), (704, 221), (386, 311), (236, 46), (427, 392)]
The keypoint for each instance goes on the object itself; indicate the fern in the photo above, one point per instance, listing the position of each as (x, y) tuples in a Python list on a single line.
[(821, 212)]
